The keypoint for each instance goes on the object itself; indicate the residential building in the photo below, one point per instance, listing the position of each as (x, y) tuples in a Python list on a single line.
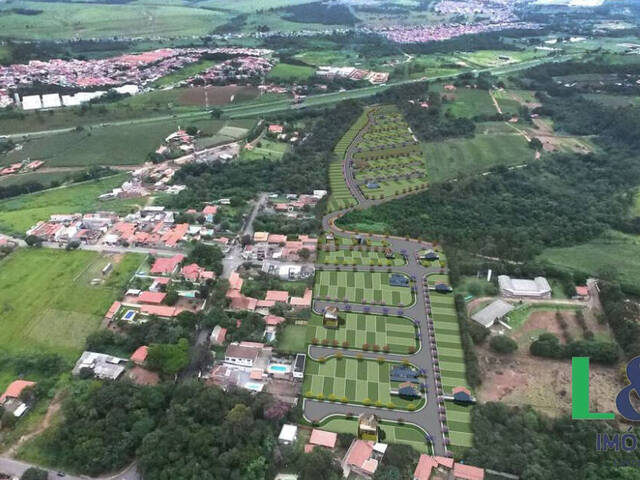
[(363, 458), (167, 265), (10, 399), (494, 312), (330, 318), (140, 355), (444, 468), (368, 427), (248, 355), (102, 366), (288, 434), (322, 438), (218, 335)]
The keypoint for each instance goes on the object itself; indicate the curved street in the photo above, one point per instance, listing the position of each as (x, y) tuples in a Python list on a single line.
[(430, 418)]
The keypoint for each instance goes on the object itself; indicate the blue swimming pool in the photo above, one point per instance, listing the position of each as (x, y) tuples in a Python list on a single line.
[(278, 368), (128, 316)]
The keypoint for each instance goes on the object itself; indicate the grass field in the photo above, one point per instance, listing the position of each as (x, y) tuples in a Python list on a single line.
[(20, 213), (47, 302), (358, 329), (361, 287), (349, 257), (66, 20), (614, 251), (394, 433), (184, 73), (269, 149), (450, 158), (353, 381), (469, 102), (109, 145), (288, 72), (292, 339), (44, 178), (451, 358)]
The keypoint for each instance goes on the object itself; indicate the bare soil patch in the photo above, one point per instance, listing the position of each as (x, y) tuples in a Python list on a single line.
[(212, 95)]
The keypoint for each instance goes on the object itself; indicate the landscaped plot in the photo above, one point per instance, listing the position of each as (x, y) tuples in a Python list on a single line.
[(394, 433), (450, 158), (390, 188), (48, 301), (354, 257), (469, 102), (351, 380), (358, 330), (459, 424), (361, 287)]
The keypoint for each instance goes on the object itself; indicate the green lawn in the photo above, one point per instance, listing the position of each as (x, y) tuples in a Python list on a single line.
[(268, 149), (353, 381), (358, 329), (349, 257), (184, 73), (469, 102), (48, 301), (292, 339), (613, 251), (394, 433), (361, 287), (451, 158), (288, 72), (20, 213)]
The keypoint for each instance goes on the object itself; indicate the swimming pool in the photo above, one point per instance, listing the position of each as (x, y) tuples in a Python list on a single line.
[(256, 387), (278, 368), (129, 315)]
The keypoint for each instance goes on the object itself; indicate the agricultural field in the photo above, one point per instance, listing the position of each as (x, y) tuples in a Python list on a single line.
[(450, 158), (184, 73), (66, 20), (290, 73), (451, 359), (388, 160), (108, 145), (496, 58), (49, 302), (355, 257), (616, 252), (20, 213), (44, 178), (361, 287), (394, 433), (375, 332), (468, 102), (214, 95), (351, 380), (506, 99)]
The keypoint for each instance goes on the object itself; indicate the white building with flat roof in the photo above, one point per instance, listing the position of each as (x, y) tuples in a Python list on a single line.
[(517, 287)]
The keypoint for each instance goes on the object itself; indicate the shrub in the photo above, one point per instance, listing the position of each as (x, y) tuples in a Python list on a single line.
[(503, 344)]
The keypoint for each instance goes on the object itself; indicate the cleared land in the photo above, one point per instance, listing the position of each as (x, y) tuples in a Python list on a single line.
[(376, 332), (206, 96), (361, 287), (351, 380), (288, 72), (450, 158), (292, 339), (614, 251), (355, 257), (20, 213), (48, 304)]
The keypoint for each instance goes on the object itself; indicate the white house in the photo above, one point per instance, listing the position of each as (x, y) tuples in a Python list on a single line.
[(517, 287)]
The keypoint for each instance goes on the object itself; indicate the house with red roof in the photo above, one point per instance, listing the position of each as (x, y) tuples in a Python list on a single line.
[(432, 468), (167, 266), (273, 320), (322, 438), (113, 309), (276, 129), (162, 311), (301, 303), (10, 399), (140, 355), (582, 292), (243, 303), (195, 273), (281, 296), (363, 458), (151, 298), (218, 335), (276, 239)]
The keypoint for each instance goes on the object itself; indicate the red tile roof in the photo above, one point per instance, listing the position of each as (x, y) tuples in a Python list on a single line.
[(359, 453), (243, 303), (273, 320), (582, 290), (164, 265), (154, 298), (112, 310), (140, 355), (235, 282), (467, 472), (15, 388), (323, 438), (210, 210), (275, 238), (160, 310), (277, 296)]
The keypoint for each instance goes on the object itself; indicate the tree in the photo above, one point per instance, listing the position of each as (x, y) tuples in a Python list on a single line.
[(503, 344), (191, 130), (33, 473), (33, 241), (168, 359), (535, 144), (318, 465), (304, 253)]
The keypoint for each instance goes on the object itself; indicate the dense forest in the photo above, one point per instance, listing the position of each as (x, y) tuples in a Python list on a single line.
[(515, 214), (535, 447), (320, 12), (300, 171)]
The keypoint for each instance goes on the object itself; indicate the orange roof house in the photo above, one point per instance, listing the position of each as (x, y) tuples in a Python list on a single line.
[(273, 320), (323, 438), (166, 266), (276, 239), (243, 303), (582, 291), (152, 298), (163, 311), (112, 310), (428, 466), (210, 210), (302, 302), (235, 282), (15, 388), (140, 355), (467, 472), (362, 458), (195, 272), (273, 128), (277, 296)]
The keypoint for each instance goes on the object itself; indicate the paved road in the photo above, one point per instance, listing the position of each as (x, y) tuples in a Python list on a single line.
[(429, 417), (10, 466)]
